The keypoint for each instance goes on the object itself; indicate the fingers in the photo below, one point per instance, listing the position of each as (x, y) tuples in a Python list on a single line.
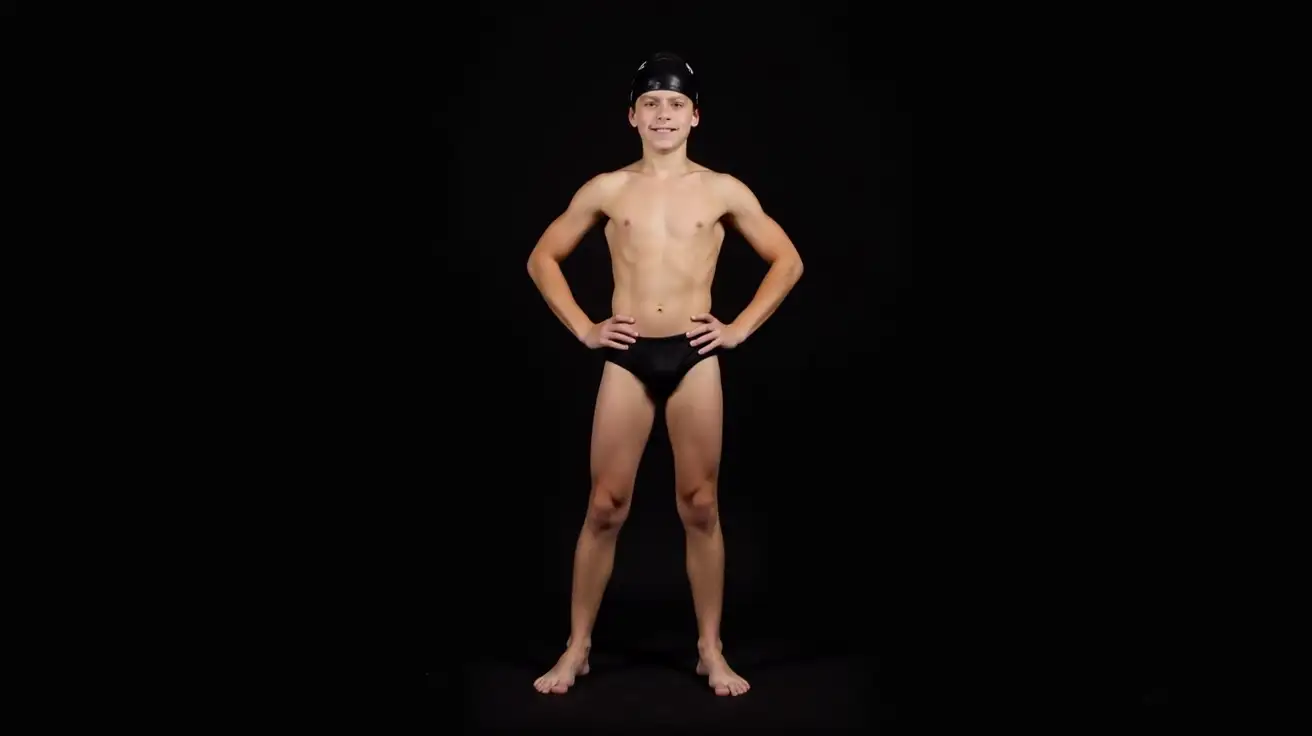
[(699, 330), (618, 335), (706, 337), (702, 318), (714, 344)]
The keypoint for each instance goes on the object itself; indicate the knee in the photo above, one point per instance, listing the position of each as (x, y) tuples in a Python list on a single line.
[(697, 505), (608, 506)]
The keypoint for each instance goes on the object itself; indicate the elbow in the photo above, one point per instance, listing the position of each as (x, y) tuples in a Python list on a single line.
[(534, 265), (787, 269), (539, 264)]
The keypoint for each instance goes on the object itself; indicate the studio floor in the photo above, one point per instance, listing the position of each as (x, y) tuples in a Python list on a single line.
[(659, 689), (656, 689)]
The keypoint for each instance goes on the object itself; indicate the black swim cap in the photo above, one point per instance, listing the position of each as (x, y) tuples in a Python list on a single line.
[(664, 71)]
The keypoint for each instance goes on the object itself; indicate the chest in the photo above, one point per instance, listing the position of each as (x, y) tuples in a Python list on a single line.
[(665, 210)]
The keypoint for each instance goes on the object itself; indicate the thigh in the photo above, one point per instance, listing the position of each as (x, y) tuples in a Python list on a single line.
[(621, 425), (694, 415)]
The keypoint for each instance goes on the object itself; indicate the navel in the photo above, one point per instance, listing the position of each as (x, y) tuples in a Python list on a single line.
[(660, 308), (626, 222), (699, 224)]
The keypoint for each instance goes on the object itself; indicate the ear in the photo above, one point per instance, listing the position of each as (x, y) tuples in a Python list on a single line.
[(696, 117), (633, 118)]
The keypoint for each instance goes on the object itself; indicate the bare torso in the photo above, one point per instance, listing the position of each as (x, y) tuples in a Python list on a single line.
[(664, 235)]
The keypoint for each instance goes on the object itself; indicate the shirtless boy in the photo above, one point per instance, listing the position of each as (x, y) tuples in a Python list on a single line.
[(660, 344)]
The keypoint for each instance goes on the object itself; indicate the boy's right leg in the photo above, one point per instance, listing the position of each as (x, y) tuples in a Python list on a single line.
[(620, 427)]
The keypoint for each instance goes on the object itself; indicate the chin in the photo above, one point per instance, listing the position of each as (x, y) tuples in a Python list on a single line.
[(665, 144)]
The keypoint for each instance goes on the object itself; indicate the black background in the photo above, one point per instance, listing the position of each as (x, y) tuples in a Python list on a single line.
[(962, 449)]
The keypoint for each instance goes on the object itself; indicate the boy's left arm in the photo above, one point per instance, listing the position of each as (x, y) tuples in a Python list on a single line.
[(774, 246)]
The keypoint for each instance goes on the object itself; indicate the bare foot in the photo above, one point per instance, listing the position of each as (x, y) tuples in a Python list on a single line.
[(724, 680), (560, 679)]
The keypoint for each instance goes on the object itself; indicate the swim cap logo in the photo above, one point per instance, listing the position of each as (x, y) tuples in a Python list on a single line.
[(643, 65)]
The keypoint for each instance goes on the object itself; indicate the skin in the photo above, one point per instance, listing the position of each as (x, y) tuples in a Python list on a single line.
[(664, 232)]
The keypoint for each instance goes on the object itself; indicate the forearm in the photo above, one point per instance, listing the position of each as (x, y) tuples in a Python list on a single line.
[(778, 281), (550, 280)]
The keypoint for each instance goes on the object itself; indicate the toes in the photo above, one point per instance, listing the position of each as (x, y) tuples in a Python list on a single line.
[(722, 690), (550, 685)]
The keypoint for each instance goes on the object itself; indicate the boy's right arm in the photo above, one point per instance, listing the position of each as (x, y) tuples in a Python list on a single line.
[(560, 239)]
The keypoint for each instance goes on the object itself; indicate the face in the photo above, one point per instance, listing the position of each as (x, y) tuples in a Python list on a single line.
[(663, 119)]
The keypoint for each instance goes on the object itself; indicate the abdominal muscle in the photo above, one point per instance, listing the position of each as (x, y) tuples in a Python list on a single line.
[(660, 314), (662, 296)]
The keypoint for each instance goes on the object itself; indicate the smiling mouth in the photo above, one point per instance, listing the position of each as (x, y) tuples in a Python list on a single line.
[(664, 130)]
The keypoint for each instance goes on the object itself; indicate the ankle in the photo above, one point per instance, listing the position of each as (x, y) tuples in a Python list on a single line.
[(584, 643), (709, 645)]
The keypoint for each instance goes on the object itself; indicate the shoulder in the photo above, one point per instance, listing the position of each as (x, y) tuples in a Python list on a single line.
[(720, 183), (705, 174), (602, 187), (609, 180), (731, 190)]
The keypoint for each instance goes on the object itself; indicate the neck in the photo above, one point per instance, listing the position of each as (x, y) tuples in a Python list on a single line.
[(665, 162)]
